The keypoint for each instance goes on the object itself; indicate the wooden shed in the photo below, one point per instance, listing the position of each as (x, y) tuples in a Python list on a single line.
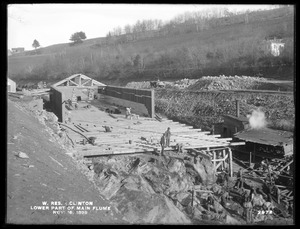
[(266, 142)]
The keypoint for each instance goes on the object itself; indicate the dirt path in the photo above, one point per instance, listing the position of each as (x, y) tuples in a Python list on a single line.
[(47, 175)]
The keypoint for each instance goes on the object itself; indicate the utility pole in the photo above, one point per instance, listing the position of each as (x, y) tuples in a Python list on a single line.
[(246, 18)]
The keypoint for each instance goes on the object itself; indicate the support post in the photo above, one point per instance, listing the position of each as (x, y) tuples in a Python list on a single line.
[(230, 162), (223, 155), (193, 194), (254, 152), (214, 160), (250, 160)]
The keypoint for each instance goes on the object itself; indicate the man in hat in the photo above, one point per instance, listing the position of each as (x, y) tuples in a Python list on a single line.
[(168, 136), (162, 143)]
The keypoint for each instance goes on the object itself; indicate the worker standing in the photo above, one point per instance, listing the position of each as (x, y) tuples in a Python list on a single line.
[(239, 183), (128, 112), (168, 136), (163, 143), (248, 208)]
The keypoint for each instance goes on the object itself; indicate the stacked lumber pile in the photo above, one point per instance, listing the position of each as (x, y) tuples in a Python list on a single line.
[(36, 92)]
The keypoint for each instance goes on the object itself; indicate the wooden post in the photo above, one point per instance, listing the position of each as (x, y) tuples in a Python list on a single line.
[(214, 160), (223, 155), (250, 160), (254, 154), (230, 162), (193, 194)]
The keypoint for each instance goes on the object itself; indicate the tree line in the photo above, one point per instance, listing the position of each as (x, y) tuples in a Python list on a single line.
[(229, 50), (191, 22)]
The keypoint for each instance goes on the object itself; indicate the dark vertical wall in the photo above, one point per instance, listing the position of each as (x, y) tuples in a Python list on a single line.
[(232, 126), (57, 99), (142, 96)]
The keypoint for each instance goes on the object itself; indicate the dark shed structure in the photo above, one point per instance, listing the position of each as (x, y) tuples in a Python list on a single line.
[(233, 124), (266, 142)]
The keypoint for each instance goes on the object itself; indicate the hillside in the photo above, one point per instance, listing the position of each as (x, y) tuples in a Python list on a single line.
[(48, 174), (222, 48)]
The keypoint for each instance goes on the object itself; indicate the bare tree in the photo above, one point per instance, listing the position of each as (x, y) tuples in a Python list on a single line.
[(127, 29)]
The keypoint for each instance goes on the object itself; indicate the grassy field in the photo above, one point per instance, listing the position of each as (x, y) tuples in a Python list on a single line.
[(233, 49)]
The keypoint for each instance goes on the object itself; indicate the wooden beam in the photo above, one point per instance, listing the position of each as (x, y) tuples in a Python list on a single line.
[(71, 81), (230, 163), (286, 165), (236, 143), (103, 153), (89, 80), (214, 160), (218, 160)]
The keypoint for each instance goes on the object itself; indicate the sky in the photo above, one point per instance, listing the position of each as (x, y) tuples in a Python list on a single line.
[(55, 23)]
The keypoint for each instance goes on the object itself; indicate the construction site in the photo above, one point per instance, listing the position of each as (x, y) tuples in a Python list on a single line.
[(155, 170)]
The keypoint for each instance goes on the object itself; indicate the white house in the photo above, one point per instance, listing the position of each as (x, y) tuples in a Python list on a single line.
[(274, 46), (11, 85)]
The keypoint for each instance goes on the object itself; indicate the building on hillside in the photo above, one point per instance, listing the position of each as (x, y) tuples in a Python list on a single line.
[(11, 85), (17, 50), (274, 46), (78, 87), (233, 124), (266, 142)]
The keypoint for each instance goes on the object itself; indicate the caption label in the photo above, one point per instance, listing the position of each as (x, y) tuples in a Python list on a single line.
[(71, 207)]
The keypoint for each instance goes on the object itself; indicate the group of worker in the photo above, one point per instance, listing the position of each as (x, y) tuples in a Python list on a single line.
[(257, 199)]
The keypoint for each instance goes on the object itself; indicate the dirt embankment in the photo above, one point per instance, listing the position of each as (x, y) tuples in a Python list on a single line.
[(221, 82), (48, 174), (203, 109), (239, 83)]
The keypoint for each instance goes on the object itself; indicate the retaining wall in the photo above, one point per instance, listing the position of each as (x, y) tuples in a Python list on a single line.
[(141, 96), (57, 99)]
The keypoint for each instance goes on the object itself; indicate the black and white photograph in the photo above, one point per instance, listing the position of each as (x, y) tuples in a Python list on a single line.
[(150, 114)]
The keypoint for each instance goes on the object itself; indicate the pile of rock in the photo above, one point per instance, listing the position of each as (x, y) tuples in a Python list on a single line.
[(146, 190), (228, 83)]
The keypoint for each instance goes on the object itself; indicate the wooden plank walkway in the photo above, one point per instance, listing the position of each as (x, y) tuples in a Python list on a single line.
[(132, 136)]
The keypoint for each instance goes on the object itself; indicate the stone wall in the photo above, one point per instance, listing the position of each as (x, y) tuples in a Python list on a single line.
[(57, 99), (141, 96)]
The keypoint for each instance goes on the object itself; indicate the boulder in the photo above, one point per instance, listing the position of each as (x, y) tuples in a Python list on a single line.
[(143, 168), (184, 198), (231, 220), (139, 207), (201, 171), (109, 186), (197, 214), (98, 168), (218, 207), (209, 169), (179, 184), (177, 166), (22, 155)]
